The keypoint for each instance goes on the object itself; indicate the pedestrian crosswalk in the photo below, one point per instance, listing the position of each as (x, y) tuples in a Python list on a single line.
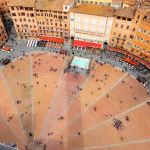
[(32, 43), (41, 43)]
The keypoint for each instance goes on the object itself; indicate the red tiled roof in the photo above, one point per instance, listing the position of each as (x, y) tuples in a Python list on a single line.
[(86, 44), (51, 39), (129, 54)]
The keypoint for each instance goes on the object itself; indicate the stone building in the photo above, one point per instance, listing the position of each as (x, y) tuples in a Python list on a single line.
[(42, 17), (123, 29)]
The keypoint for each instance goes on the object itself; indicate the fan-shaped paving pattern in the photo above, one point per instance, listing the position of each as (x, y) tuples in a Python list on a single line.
[(71, 111)]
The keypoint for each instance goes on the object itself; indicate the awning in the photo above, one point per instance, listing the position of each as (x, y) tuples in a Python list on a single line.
[(146, 54), (51, 39), (131, 61), (115, 49), (86, 44)]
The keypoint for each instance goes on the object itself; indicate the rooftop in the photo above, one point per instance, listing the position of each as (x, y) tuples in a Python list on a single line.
[(93, 9), (128, 12), (25, 3), (41, 4), (131, 2), (56, 5)]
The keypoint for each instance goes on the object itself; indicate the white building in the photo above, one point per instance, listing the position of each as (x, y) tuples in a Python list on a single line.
[(91, 22)]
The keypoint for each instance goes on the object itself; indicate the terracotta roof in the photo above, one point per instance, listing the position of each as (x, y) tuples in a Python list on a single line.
[(93, 9), (130, 2), (24, 3), (55, 5), (128, 12), (117, 2), (146, 3)]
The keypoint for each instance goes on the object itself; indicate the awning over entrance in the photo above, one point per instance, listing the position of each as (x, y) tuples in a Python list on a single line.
[(86, 44), (146, 54), (131, 61), (129, 54), (51, 39)]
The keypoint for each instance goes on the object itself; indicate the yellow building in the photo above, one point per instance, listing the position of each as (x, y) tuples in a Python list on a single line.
[(141, 41), (123, 29), (4, 9), (91, 22), (23, 15), (3, 34), (53, 17), (41, 17)]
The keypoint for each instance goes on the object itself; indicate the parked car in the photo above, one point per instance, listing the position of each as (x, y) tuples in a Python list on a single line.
[(6, 61), (7, 48)]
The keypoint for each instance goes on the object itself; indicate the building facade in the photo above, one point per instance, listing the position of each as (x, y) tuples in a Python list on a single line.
[(4, 9), (141, 41), (3, 34), (113, 3), (117, 3), (53, 17), (123, 28), (24, 18), (99, 2), (91, 22), (35, 18)]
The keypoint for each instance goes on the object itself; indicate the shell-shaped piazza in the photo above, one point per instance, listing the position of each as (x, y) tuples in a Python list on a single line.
[(44, 108)]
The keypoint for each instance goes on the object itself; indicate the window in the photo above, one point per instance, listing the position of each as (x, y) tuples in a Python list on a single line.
[(93, 21), (65, 17), (85, 20), (32, 15), (118, 17), (122, 26), (22, 14), (127, 27), (60, 17), (21, 8), (13, 14), (116, 25)]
